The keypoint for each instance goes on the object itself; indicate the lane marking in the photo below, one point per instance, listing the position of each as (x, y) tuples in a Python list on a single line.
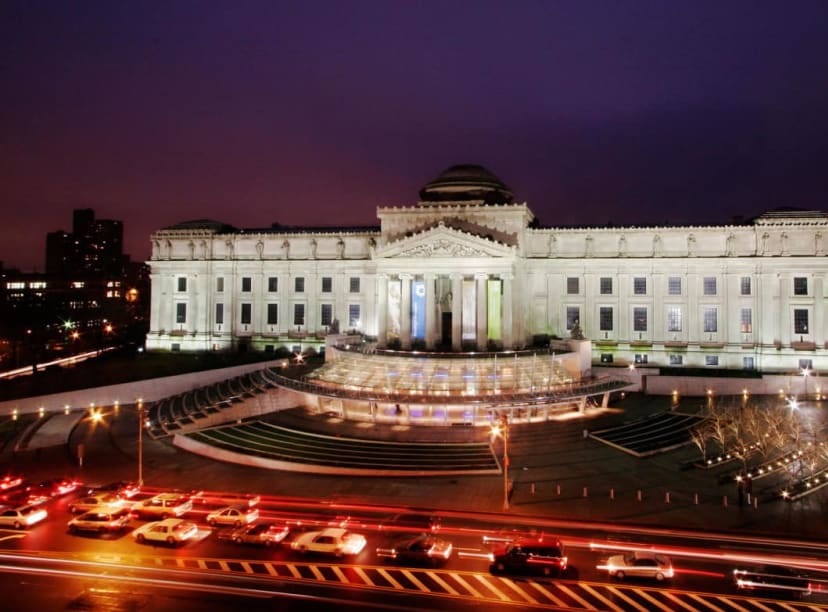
[(572, 594), (705, 602), (622, 595), (294, 571), (466, 585), (415, 581), (483, 579), (654, 601), (246, 567), (672, 597), (390, 579), (519, 590), (270, 569), (361, 573), (444, 584), (316, 573), (600, 597), (340, 574)]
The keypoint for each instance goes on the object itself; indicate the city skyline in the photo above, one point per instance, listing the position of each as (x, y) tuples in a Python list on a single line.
[(640, 114)]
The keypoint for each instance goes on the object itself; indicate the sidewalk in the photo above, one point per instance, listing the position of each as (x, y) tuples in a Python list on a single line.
[(556, 474)]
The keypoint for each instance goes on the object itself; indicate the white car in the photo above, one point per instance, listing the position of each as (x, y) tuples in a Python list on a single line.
[(173, 531), (332, 541), (235, 516), (24, 516), (639, 564)]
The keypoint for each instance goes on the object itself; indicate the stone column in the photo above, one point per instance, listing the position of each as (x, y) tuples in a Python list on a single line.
[(382, 310), (480, 320), (506, 313), (457, 312), (405, 312), (431, 311)]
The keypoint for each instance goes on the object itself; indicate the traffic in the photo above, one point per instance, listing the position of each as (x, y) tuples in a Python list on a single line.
[(124, 518)]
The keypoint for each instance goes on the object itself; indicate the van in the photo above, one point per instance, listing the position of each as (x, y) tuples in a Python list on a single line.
[(543, 556)]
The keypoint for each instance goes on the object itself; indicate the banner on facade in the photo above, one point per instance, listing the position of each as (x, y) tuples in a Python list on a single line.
[(393, 327), (469, 309), (493, 312), (418, 310)]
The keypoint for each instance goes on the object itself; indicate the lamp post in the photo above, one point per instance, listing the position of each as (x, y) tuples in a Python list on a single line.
[(140, 442), (501, 430)]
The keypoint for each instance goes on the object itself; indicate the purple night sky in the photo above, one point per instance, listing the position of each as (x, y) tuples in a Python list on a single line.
[(315, 113)]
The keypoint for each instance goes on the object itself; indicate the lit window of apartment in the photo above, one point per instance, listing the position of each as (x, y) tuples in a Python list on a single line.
[(674, 319), (746, 320)]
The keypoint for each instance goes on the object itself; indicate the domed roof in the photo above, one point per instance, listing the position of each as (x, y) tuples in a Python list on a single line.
[(466, 182)]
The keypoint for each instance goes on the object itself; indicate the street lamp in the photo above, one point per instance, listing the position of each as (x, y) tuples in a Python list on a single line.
[(140, 442), (500, 429)]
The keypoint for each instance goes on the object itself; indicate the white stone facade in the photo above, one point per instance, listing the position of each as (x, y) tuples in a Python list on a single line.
[(465, 274)]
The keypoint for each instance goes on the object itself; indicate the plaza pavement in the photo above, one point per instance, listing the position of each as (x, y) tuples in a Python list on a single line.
[(557, 473)]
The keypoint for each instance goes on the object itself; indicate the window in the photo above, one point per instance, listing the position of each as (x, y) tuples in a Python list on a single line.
[(246, 313), (746, 320), (272, 314), (182, 283), (642, 358), (744, 285), (219, 313), (711, 360), (181, 313), (326, 315), (298, 314), (709, 285), (573, 285), (220, 284), (640, 285), (606, 357), (800, 321), (606, 285), (674, 285), (247, 284), (800, 285), (299, 285), (674, 319), (605, 318), (353, 315), (273, 284), (354, 284), (748, 363), (327, 284), (573, 316), (806, 364), (676, 360), (711, 322), (640, 319)]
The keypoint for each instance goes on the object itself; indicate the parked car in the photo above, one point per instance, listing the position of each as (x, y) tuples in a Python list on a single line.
[(333, 541), (234, 515), (56, 487), (420, 549), (265, 534), (164, 505), (543, 555), (101, 522), (121, 488), (24, 516), (10, 481), (639, 564), (217, 498), (100, 502), (171, 531), (777, 579), (411, 521)]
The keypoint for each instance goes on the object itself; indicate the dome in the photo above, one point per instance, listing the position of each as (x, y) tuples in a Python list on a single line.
[(466, 182)]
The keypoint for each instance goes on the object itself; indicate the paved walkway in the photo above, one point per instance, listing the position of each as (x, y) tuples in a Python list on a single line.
[(557, 473)]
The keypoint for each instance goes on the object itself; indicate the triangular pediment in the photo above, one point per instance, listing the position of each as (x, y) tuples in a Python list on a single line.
[(443, 241)]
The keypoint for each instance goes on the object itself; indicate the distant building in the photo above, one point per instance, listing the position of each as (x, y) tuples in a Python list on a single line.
[(465, 268), (94, 247)]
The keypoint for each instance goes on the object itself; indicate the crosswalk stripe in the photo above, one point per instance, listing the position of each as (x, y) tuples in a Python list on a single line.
[(415, 581), (316, 573), (450, 589), (519, 590), (340, 574), (224, 567), (390, 579), (621, 594), (485, 581), (570, 593), (202, 564), (246, 567), (553, 598), (600, 597), (270, 569), (654, 601), (672, 597), (361, 573), (787, 607), (733, 604), (704, 602), (294, 572), (467, 586)]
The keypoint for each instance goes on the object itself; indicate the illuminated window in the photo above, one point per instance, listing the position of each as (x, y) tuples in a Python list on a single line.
[(353, 315), (37, 285), (77, 284), (711, 320), (746, 320), (674, 319), (15, 285)]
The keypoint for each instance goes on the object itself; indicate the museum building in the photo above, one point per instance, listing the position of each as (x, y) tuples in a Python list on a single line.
[(466, 269)]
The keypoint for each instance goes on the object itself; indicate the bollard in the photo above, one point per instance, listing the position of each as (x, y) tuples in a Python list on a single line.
[(638, 495), (667, 497), (533, 488), (586, 494), (558, 489), (612, 493), (724, 501), (695, 499)]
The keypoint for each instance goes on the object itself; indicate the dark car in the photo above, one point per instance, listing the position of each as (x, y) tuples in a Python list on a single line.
[(421, 549), (264, 534), (542, 555), (775, 579), (412, 521)]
